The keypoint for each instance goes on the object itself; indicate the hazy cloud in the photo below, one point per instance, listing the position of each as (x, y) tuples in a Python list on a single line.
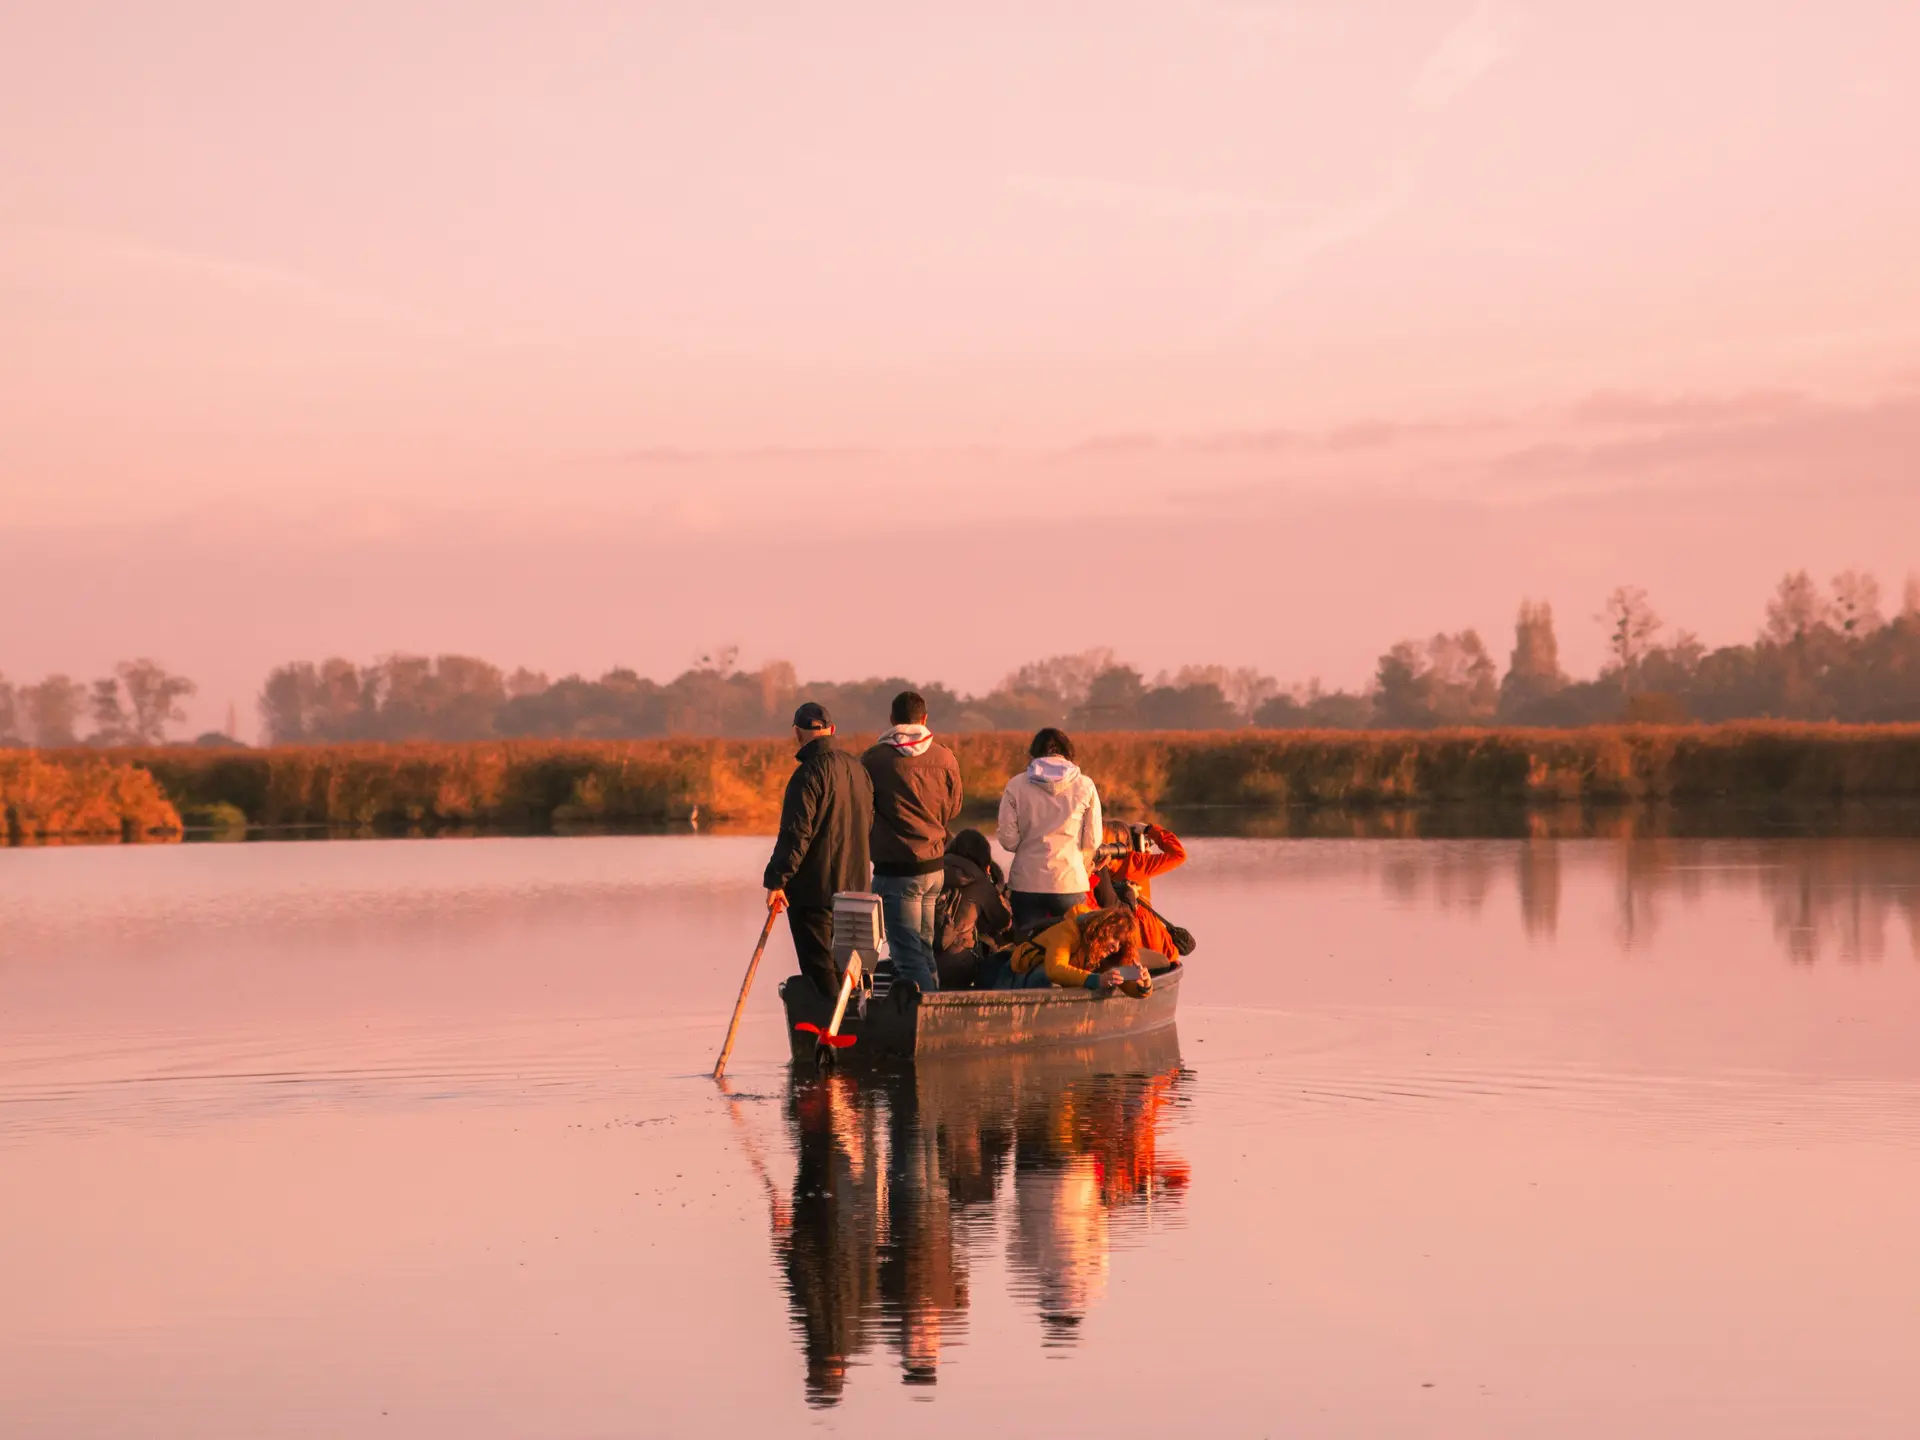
[(1703, 443), (58, 245), (1142, 201), (1353, 437), (1478, 42), (1623, 408)]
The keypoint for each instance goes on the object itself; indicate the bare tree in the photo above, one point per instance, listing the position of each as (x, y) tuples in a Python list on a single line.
[(1067, 676), (1246, 688), (778, 683), (1856, 603), (1631, 625), (1533, 670), (1910, 602), (1464, 680), (1446, 680), (287, 702), (526, 682), (111, 725), (154, 695), (9, 710), (340, 698), (53, 709), (1796, 609)]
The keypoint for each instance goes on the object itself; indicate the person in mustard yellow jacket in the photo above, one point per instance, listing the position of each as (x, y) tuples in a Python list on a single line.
[(1091, 949)]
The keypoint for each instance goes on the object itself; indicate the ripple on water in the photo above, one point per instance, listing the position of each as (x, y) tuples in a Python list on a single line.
[(1259, 1064)]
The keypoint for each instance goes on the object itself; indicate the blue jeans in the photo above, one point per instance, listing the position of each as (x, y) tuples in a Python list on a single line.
[(908, 902), (1030, 907)]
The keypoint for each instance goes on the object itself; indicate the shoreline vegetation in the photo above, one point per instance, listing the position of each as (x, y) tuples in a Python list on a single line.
[(1823, 655), (1255, 781)]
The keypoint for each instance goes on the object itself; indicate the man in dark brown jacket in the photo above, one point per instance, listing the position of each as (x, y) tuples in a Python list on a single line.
[(916, 799)]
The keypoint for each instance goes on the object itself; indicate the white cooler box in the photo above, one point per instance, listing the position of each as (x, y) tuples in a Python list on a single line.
[(860, 928)]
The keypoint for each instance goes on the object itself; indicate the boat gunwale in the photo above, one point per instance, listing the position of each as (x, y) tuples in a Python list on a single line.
[(1056, 995)]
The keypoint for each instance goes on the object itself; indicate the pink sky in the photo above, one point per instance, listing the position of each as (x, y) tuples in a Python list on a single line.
[(586, 335)]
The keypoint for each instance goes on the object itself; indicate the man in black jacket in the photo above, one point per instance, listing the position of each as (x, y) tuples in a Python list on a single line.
[(822, 845)]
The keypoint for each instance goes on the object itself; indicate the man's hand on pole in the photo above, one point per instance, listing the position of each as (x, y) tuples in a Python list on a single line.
[(776, 900)]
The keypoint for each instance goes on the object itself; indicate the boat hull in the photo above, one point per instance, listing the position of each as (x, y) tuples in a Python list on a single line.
[(908, 1025)]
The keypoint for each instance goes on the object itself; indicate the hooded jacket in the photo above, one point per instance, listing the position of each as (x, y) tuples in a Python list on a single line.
[(824, 820), (1050, 822), (916, 799), (970, 908)]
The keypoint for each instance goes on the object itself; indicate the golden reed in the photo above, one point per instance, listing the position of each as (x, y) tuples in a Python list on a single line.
[(540, 783), (80, 794)]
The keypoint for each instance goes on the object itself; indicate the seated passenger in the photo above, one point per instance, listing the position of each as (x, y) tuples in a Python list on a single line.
[(1125, 878), (1096, 950), (971, 918)]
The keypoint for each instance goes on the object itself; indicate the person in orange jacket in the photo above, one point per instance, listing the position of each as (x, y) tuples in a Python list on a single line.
[(1126, 874)]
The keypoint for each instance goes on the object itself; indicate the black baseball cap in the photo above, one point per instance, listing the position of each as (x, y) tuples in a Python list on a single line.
[(812, 716)]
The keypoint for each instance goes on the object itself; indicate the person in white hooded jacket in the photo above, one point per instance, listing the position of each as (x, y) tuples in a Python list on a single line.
[(1050, 821)]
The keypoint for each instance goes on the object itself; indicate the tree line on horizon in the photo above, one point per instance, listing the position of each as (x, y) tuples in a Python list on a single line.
[(136, 705), (1821, 654)]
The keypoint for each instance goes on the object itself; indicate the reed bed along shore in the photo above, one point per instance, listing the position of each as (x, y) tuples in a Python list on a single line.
[(80, 794), (540, 784)]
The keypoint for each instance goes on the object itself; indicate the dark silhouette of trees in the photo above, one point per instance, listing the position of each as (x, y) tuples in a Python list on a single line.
[(1796, 609), (1112, 701), (153, 698), (1856, 604), (52, 710), (1065, 678), (398, 697), (133, 706), (1818, 655), (1631, 626), (1309, 707), (303, 701), (1196, 697), (1199, 705), (111, 723), (1534, 675), (1447, 680)]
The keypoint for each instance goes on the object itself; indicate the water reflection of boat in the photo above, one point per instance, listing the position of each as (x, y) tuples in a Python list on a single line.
[(952, 1023), (904, 1176)]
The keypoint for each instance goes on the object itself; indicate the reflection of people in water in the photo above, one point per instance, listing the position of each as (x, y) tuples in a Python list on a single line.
[(1086, 1153), (899, 1176), (923, 1273), (830, 1249)]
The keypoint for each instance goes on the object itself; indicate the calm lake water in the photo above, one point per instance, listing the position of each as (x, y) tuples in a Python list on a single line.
[(1477, 1138)]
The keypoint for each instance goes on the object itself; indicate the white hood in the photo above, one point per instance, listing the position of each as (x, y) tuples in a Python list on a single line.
[(909, 739), (1052, 772), (1050, 824)]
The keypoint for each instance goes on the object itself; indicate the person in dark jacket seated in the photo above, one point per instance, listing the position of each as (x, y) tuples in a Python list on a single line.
[(973, 919), (822, 845)]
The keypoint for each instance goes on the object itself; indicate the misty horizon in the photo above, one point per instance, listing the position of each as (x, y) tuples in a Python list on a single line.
[(1845, 650), (607, 338)]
